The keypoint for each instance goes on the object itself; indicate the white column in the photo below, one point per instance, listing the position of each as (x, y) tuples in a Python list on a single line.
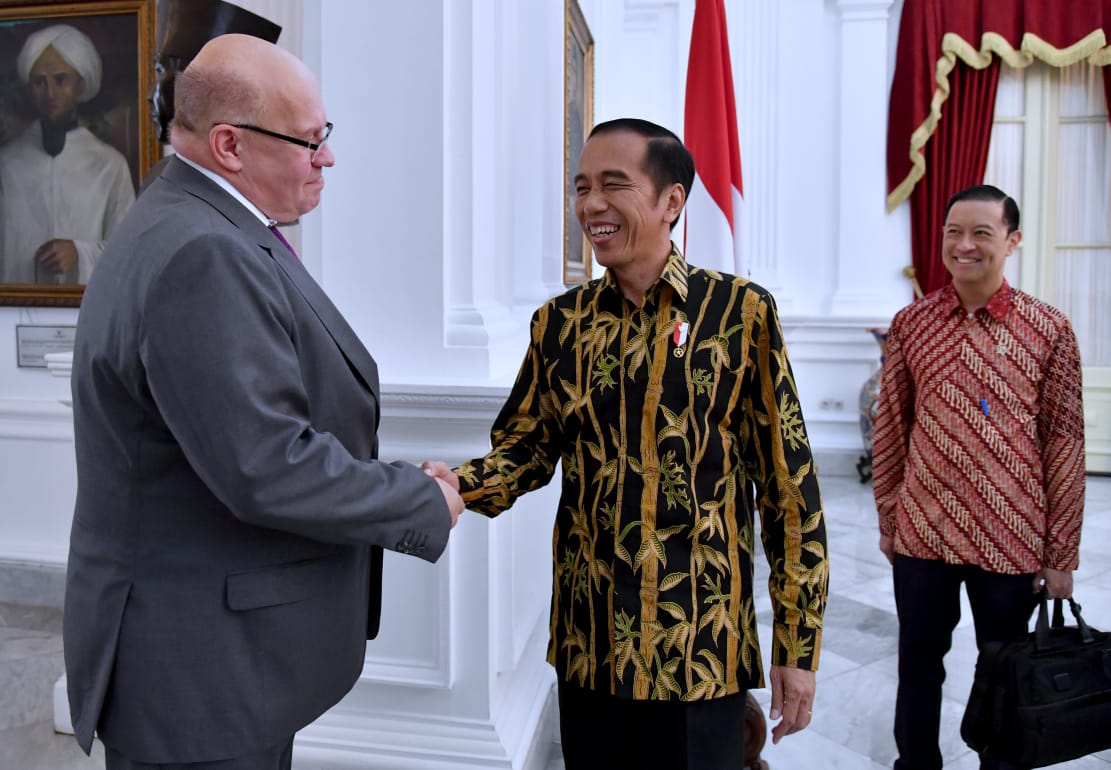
[(754, 50), (866, 275), (503, 171), (440, 228), (470, 137), (530, 210), (640, 60)]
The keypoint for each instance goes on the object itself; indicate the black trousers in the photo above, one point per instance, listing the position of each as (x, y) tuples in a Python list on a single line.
[(927, 598), (277, 758), (600, 732)]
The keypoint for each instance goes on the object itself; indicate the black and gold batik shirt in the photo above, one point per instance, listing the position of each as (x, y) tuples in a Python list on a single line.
[(673, 422)]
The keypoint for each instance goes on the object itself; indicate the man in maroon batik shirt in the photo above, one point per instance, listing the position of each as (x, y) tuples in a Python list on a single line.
[(979, 460)]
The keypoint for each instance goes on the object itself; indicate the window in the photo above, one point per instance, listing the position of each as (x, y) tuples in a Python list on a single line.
[(1051, 150)]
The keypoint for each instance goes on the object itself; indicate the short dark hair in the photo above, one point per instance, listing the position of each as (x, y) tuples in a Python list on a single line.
[(987, 192), (666, 161)]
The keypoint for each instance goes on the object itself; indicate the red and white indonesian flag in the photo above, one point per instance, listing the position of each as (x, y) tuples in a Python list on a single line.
[(713, 236)]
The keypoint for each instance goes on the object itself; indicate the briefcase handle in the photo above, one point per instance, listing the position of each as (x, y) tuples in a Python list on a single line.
[(1041, 627)]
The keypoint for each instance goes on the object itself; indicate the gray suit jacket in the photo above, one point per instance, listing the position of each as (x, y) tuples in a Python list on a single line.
[(225, 557)]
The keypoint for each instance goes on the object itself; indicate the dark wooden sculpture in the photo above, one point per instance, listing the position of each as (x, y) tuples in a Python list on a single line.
[(183, 27)]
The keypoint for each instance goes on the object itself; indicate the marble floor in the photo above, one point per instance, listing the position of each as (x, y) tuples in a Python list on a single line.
[(855, 704), (30, 664), (851, 728)]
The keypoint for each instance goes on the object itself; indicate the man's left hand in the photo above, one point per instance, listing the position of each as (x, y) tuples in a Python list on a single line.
[(792, 700)]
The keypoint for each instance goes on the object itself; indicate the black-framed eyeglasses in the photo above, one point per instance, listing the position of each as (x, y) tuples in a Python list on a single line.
[(314, 146)]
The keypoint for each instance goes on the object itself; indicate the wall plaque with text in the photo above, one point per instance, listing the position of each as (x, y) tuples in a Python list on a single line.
[(32, 343)]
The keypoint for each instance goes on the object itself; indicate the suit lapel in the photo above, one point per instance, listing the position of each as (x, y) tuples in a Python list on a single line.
[(346, 339), (353, 350)]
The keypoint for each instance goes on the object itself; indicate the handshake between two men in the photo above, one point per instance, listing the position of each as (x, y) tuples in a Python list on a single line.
[(449, 486)]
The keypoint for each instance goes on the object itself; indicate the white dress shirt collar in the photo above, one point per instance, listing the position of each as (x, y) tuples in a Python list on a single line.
[(230, 190)]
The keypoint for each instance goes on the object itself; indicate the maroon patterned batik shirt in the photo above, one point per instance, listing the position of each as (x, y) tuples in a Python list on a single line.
[(979, 445)]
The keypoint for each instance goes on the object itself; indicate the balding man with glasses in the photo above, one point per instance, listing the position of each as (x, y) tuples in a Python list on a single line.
[(226, 551)]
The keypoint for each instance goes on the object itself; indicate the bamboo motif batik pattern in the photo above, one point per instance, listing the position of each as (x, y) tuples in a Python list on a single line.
[(674, 422)]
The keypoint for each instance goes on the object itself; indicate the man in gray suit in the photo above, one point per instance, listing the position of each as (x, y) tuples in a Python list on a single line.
[(225, 558)]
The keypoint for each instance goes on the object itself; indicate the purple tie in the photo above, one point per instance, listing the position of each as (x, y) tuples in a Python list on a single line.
[(274, 229)]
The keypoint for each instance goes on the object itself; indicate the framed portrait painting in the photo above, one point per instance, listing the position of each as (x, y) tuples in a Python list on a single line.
[(76, 138), (578, 117)]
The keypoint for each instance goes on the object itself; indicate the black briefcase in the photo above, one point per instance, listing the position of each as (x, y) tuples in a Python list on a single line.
[(1045, 699)]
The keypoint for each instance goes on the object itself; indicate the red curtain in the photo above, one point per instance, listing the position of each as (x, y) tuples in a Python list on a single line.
[(923, 138), (956, 158), (1107, 89), (1057, 32)]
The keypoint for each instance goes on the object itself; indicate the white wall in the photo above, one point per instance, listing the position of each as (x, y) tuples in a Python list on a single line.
[(36, 448), (435, 224)]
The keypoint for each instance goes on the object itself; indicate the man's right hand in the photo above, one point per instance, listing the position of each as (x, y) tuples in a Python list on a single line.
[(442, 471), (57, 255), (887, 546), (453, 500)]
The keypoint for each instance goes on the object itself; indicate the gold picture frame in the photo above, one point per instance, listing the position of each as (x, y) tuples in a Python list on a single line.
[(118, 115), (578, 118)]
